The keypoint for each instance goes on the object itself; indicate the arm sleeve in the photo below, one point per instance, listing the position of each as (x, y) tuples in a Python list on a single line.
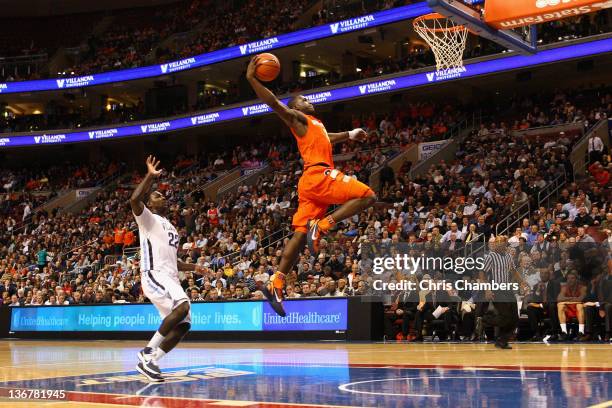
[(146, 220)]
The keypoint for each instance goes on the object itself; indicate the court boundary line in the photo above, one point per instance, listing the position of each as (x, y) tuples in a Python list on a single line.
[(345, 387), (449, 366), (134, 399), (204, 401), (367, 365), (357, 365)]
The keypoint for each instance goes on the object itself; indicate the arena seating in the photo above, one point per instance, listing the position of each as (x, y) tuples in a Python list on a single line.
[(90, 257), (188, 174), (22, 36), (134, 37)]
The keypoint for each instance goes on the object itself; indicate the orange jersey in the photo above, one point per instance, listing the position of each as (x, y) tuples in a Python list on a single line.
[(315, 146), (128, 238), (119, 235)]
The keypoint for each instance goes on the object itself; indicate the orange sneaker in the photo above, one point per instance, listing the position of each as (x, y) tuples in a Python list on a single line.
[(278, 284), (274, 294)]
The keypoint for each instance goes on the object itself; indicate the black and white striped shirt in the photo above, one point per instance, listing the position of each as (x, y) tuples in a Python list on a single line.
[(499, 267)]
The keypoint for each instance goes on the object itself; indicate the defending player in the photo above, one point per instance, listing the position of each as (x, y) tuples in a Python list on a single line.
[(159, 268), (320, 184)]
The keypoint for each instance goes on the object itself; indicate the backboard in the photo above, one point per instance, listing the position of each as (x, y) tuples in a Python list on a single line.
[(470, 13)]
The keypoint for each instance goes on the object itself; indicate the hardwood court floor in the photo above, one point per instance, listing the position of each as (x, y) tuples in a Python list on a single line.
[(102, 374)]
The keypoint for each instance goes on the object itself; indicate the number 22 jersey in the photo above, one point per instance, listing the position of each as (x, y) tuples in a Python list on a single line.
[(158, 244)]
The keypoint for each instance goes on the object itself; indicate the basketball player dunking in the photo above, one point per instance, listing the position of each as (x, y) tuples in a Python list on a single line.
[(159, 268), (320, 185)]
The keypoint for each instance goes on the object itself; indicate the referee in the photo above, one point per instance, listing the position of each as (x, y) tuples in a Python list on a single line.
[(499, 267)]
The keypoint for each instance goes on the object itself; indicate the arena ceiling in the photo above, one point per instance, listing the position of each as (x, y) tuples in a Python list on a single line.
[(42, 8)]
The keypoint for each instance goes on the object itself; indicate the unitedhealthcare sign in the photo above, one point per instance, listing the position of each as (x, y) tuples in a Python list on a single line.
[(326, 314), (266, 44), (504, 63)]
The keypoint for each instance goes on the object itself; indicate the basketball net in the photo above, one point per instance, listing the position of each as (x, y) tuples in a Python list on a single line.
[(445, 38)]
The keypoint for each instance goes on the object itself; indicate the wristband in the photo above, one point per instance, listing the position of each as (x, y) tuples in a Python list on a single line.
[(353, 133)]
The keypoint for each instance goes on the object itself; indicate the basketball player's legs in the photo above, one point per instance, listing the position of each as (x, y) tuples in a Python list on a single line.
[(175, 310), (352, 207), (173, 305), (291, 252), (173, 329), (334, 187), (306, 210)]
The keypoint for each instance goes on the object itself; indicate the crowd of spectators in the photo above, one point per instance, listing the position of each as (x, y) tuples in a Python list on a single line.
[(116, 51), (140, 36), (57, 177), (456, 207), (586, 106), (88, 257), (23, 36), (563, 252), (269, 201), (135, 33), (237, 25), (25, 189)]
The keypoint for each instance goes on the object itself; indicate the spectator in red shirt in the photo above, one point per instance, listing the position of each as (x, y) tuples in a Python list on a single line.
[(213, 215), (128, 239), (119, 233), (601, 175)]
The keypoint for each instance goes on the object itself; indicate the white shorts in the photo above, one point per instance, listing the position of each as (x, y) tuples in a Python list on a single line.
[(165, 292)]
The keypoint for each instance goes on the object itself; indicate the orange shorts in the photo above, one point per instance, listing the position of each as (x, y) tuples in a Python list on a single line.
[(318, 188)]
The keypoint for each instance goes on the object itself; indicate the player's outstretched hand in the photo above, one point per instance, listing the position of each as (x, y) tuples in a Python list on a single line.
[(250, 74), (152, 164), (358, 135)]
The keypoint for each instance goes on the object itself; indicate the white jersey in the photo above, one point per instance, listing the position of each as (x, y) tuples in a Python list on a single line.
[(158, 244)]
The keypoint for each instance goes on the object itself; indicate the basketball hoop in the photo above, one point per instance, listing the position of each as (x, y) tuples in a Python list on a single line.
[(445, 37)]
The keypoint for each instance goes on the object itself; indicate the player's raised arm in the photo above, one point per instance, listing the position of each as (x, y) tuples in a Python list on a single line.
[(138, 196), (293, 118), (357, 134)]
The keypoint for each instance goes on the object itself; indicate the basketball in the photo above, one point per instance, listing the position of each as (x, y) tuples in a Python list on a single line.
[(268, 67)]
